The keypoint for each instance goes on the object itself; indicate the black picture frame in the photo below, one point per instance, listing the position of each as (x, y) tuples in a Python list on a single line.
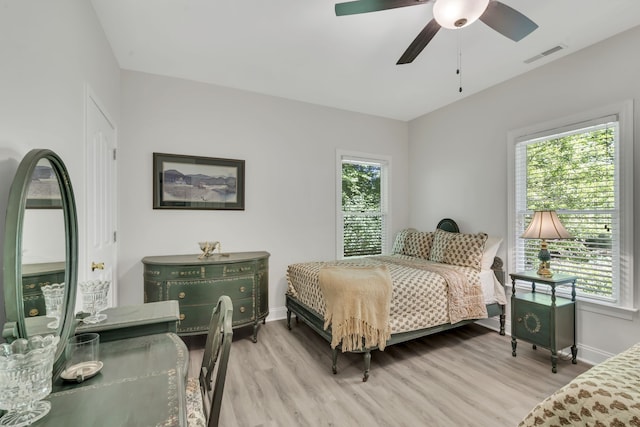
[(193, 182)]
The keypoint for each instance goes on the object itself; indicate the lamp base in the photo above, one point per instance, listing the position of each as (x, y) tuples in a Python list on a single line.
[(543, 270)]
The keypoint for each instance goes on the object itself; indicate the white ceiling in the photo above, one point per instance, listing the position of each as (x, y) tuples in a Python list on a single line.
[(299, 49)]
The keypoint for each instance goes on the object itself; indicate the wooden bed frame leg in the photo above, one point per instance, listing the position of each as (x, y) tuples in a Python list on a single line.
[(289, 319), (334, 360), (502, 321), (367, 365)]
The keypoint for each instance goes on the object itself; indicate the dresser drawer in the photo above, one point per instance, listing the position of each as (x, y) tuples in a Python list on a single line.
[(174, 272), (196, 318), (243, 311), (34, 305), (32, 285), (208, 291), (238, 269)]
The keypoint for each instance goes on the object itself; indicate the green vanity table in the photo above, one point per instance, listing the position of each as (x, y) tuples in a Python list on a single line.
[(142, 381), (142, 357), (122, 322)]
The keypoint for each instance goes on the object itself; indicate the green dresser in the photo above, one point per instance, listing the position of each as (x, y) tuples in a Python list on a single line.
[(34, 277), (198, 283)]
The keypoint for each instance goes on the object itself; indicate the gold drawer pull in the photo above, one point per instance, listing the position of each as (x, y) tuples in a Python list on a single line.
[(31, 285), (181, 295), (242, 309), (182, 316), (242, 289), (33, 312)]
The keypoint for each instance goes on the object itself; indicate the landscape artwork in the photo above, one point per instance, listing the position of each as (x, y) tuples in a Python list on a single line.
[(191, 182), (44, 189)]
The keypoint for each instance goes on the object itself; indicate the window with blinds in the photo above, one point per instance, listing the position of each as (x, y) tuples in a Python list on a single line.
[(363, 215), (574, 171)]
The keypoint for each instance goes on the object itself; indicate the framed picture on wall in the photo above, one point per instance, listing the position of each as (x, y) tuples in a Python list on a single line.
[(191, 182)]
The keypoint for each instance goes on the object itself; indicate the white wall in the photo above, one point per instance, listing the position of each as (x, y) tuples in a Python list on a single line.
[(50, 50), (458, 156), (290, 153)]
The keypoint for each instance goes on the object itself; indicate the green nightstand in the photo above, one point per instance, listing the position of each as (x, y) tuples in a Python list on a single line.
[(544, 320)]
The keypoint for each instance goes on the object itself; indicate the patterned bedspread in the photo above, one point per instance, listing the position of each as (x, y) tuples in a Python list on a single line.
[(606, 395), (425, 294)]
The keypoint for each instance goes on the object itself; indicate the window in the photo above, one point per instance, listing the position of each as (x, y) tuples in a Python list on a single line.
[(362, 200), (582, 172)]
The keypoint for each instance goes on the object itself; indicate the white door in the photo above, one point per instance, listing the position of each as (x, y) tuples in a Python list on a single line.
[(101, 199)]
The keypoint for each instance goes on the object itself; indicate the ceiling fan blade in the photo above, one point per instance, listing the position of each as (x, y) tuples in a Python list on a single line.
[(419, 43), (364, 6), (507, 21)]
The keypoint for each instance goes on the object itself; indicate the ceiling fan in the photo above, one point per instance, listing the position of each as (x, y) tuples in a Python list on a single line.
[(451, 14)]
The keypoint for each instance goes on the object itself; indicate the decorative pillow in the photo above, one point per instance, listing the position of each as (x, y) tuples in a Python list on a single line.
[(419, 243), (458, 248), (400, 244), (490, 251)]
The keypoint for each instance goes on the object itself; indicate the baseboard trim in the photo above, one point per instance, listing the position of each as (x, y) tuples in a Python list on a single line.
[(586, 354), (277, 314)]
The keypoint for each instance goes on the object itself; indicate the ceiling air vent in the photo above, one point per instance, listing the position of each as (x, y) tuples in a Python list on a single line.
[(545, 53)]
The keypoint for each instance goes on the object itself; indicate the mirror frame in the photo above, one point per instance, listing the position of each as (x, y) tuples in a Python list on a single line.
[(14, 304)]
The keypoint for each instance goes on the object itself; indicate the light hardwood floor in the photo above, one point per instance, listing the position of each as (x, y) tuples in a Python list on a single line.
[(463, 377)]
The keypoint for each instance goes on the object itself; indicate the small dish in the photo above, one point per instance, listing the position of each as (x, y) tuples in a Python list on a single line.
[(81, 371)]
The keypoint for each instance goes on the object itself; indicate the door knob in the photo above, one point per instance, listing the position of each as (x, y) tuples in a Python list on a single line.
[(97, 266)]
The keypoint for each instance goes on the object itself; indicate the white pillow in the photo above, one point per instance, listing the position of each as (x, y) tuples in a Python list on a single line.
[(490, 251)]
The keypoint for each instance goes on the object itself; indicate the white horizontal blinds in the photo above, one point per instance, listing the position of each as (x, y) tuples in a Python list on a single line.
[(574, 172), (364, 207)]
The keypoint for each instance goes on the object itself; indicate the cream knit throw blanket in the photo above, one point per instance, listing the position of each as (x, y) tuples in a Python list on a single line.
[(358, 301)]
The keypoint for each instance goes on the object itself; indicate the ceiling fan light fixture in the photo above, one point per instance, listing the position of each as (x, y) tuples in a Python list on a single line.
[(455, 14)]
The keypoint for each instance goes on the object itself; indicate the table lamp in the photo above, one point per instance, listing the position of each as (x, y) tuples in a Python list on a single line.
[(545, 225)]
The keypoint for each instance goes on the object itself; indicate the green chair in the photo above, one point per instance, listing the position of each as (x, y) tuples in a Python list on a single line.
[(204, 398)]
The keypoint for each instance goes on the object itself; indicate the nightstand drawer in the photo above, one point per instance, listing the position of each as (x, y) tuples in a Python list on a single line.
[(531, 323), (535, 320)]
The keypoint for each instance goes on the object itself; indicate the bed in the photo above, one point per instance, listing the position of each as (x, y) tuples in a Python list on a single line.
[(608, 394), (439, 280)]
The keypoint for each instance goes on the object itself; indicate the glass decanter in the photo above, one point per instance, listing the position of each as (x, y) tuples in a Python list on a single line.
[(94, 299), (25, 379), (53, 301)]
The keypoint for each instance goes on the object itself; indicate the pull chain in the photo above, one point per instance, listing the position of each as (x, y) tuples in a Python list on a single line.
[(459, 69)]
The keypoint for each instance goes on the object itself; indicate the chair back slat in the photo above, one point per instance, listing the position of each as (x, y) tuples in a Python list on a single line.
[(216, 357)]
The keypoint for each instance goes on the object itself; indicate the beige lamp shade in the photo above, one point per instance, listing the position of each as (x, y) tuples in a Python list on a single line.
[(546, 225)]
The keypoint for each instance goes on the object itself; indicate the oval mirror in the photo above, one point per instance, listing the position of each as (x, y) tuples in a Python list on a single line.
[(40, 249)]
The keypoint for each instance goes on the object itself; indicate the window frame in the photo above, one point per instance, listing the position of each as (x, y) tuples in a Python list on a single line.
[(624, 294), (385, 195)]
